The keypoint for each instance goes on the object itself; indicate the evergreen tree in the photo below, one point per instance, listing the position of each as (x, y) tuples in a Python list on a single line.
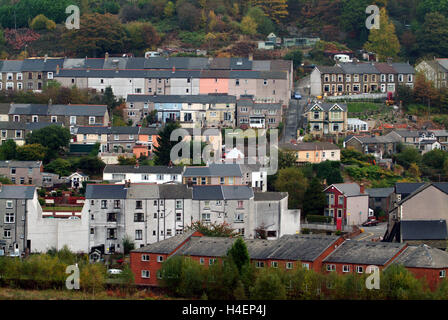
[(163, 150), (315, 200), (239, 254)]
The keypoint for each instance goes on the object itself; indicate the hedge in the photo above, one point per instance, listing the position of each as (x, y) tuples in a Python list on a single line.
[(316, 218)]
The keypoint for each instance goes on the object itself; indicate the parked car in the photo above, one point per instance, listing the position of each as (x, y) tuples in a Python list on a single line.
[(297, 96), (114, 271), (370, 222)]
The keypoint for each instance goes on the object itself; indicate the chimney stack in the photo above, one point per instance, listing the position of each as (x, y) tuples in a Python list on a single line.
[(106, 56), (362, 188), (46, 57), (251, 56), (57, 69), (389, 61)]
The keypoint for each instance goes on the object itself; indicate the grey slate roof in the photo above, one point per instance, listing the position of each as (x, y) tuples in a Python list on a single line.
[(17, 192), (407, 133), (423, 230), (269, 196), (206, 246), (166, 246), (174, 191), (359, 68), (326, 106), (202, 98), (12, 125), (212, 192), (20, 164), (4, 108), (364, 252), (58, 110), (291, 247), (349, 189), (214, 170), (407, 187), (143, 191), (142, 169), (310, 146), (380, 192), (423, 256), (93, 130), (106, 191)]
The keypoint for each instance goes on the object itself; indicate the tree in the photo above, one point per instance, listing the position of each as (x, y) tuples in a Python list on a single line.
[(264, 25), (274, 9), (292, 180), (296, 56), (163, 151), (212, 229), (407, 156), (192, 279), (92, 277), (59, 166), (414, 170), (239, 254), (169, 9), (55, 138), (187, 15), (8, 150), (90, 165), (424, 91), (248, 26), (123, 161), (315, 199), (432, 37), (397, 283), (41, 22), (128, 244), (222, 278), (141, 36), (5, 180), (99, 34), (435, 158), (268, 286), (384, 42), (31, 152)]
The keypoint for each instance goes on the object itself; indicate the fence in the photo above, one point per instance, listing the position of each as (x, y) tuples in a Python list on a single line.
[(325, 226)]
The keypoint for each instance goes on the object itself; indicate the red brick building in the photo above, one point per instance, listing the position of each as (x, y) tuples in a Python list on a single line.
[(356, 256), (425, 262)]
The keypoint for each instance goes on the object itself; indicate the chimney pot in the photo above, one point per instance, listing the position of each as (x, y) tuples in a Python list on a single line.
[(362, 188)]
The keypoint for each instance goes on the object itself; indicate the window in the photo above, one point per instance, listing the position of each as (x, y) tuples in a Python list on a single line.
[(9, 204), (138, 234), (442, 274), (345, 268), (131, 137), (201, 260), (222, 180), (211, 261), (341, 200), (13, 170), (240, 204), (18, 134), (239, 217), (103, 204), (50, 75), (203, 180), (159, 258), (91, 120), (274, 264), (237, 82), (22, 180), (145, 274), (19, 86), (331, 267), (116, 204), (359, 269), (7, 234), (145, 257), (244, 109), (145, 176), (259, 264), (289, 265), (160, 177), (316, 115), (138, 204), (111, 217), (16, 118), (306, 266), (178, 216), (139, 217), (54, 119), (9, 217), (112, 234), (3, 133), (178, 204), (72, 119), (174, 177), (391, 78), (206, 216)]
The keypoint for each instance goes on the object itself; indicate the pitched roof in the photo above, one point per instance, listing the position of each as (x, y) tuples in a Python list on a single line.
[(113, 168), (380, 192), (106, 191), (174, 191), (365, 252), (9, 191), (269, 196), (20, 164), (291, 247), (206, 246), (166, 246), (348, 189), (202, 98), (325, 106), (214, 170), (407, 187), (212, 192), (358, 68), (310, 146), (422, 256), (58, 110), (423, 230)]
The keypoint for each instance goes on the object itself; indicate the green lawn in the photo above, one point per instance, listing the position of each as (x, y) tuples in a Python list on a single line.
[(358, 107)]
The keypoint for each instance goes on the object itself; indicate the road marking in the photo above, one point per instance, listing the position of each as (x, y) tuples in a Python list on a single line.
[(369, 235)]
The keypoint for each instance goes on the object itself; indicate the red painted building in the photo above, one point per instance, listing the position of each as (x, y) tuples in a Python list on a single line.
[(347, 204)]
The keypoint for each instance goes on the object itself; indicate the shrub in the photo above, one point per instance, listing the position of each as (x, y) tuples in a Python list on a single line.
[(41, 22), (319, 219)]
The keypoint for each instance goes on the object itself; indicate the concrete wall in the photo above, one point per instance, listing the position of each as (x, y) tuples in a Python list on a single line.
[(357, 209)]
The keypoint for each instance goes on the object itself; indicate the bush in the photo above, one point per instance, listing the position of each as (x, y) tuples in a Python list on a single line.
[(41, 22), (319, 219)]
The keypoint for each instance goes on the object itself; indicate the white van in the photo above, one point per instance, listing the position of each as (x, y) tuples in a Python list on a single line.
[(342, 58)]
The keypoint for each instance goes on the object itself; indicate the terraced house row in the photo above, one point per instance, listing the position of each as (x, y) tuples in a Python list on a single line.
[(359, 77), (321, 253), (268, 80)]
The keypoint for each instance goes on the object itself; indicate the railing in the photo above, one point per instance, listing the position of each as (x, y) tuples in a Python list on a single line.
[(325, 226)]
